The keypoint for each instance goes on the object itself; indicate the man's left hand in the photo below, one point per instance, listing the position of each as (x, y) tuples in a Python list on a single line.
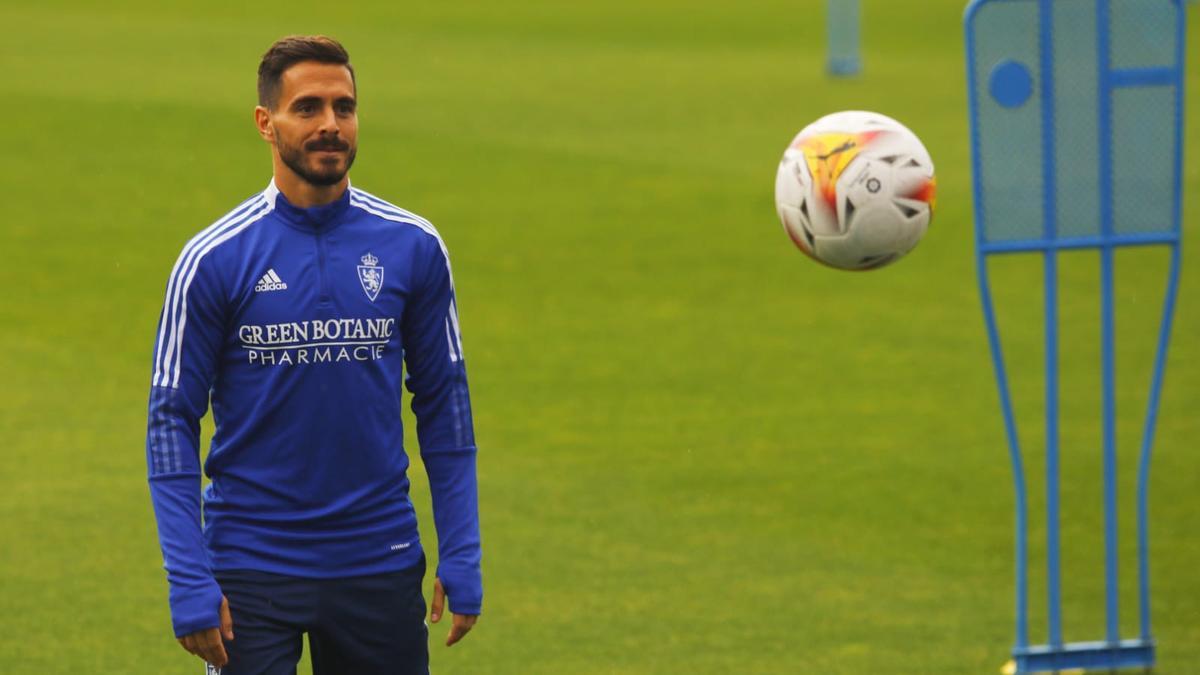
[(461, 624)]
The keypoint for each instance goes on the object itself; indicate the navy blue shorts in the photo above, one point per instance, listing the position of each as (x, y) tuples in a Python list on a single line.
[(370, 625)]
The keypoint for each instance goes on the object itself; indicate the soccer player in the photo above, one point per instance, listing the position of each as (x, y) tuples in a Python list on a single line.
[(297, 313)]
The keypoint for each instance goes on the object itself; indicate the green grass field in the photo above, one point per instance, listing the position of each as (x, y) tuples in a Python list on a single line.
[(700, 452)]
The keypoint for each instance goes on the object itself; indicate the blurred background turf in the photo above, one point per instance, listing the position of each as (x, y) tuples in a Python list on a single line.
[(700, 452)]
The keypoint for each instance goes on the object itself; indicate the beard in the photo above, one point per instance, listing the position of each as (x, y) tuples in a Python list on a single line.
[(295, 157)]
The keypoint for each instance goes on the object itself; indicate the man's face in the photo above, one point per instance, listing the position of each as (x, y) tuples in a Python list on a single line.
[(315, 122)]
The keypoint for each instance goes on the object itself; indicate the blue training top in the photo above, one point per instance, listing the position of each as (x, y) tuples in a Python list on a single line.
[(300, 323)]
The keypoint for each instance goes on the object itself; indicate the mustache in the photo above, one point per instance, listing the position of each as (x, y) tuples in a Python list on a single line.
[(327, 144)]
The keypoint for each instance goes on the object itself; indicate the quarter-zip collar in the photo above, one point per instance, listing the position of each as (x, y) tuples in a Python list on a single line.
[(317, 219)]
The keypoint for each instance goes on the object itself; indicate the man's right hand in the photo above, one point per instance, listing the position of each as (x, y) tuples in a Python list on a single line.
[(207, 643)]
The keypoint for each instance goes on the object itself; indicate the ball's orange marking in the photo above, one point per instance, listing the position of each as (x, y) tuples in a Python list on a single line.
[(926, 193), (827, 156)]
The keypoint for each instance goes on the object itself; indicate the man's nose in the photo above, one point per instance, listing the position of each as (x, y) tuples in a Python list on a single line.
[(328, 121)]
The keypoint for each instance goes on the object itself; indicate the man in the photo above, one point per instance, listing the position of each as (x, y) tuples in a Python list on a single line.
[(298, 312)]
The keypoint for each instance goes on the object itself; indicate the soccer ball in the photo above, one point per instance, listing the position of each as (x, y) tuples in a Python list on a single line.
[(855, 190)]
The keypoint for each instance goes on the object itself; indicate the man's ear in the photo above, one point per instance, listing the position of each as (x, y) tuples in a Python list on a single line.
[(262, 120)]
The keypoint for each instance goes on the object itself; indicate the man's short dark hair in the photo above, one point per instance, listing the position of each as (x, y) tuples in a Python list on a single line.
[(287, 52)]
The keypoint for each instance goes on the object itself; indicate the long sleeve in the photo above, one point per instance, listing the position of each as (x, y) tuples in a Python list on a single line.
[(185, 355), (437, 378)]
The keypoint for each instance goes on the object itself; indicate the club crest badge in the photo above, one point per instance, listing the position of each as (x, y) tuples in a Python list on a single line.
[(370, 275)]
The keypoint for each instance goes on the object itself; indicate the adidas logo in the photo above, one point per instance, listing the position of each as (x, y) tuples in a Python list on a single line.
[(270, 282)]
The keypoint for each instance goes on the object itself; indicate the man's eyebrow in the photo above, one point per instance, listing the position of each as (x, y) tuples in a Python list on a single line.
[(305, 99)]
